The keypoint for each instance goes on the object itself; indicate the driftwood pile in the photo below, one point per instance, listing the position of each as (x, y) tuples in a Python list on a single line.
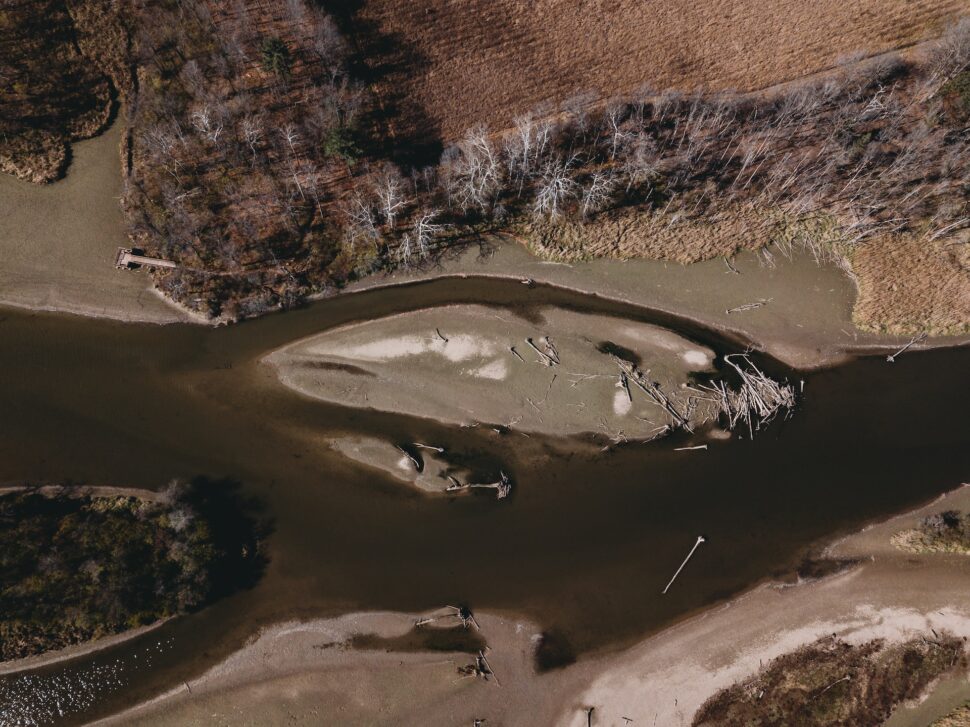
[(629, 372), (756, 401)]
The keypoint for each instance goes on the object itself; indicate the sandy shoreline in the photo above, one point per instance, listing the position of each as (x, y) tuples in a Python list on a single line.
[(305, 671), (42, 273), (823, 338), (71, 652)]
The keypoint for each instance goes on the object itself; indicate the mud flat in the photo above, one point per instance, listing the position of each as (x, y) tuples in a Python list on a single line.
[(554, 371), (806, 319), (58, 242)]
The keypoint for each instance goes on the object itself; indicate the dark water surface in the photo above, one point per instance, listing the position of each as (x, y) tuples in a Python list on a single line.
[(583, 547)]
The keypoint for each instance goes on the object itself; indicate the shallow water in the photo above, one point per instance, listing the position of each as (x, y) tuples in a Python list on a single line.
[(584, 545)]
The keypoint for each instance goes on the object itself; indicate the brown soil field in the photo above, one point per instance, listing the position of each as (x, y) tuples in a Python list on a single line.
[(459, 64)]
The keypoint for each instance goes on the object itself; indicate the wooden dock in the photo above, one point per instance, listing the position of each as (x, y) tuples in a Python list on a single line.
[(129, 260)]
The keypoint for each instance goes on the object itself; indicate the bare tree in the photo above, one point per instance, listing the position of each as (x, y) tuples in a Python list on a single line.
[(291, 136), (204, 121), (640, 159), (161, 142), (597, 193), (617, 135), (251, 129), (361, 219), (952, 54), (404, 250), (328, 43), (390, 190), (554, 188), (473, 172), (192, 78), (425, 230)]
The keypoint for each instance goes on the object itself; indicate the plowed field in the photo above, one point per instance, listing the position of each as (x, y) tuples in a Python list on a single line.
[(451, 64)]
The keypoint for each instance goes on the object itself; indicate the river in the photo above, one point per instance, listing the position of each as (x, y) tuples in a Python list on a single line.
[(583, 547)]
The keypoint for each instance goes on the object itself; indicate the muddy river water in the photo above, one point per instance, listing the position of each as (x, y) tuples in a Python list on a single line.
[(583, 546)]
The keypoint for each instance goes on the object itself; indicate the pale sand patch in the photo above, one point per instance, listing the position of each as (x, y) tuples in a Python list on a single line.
[(696, 358), (498, 370), (621, 403), (461, 347), (386, 457)]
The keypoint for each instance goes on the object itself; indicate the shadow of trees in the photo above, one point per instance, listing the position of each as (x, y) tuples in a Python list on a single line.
[(405, 132)]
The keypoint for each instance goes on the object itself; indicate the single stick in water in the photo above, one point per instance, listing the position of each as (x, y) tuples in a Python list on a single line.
[(700, 539), (913, 341)]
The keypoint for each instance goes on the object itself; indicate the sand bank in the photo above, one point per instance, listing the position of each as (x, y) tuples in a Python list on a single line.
[(308, 673), (58, 242), (551, 372), (402, 465), (891, 595)]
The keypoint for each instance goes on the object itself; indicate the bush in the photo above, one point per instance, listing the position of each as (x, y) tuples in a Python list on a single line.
[(339, 142), (276, 57), (956, 96)]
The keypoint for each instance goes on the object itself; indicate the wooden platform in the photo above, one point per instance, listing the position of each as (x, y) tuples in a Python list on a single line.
[(127, 260)]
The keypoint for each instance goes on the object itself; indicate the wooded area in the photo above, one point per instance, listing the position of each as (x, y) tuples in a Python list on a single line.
[(75, 567)]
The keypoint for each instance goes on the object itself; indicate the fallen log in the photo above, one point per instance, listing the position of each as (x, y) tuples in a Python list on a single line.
[(502, 487), (913, 341), (543, 356), (749, 306)]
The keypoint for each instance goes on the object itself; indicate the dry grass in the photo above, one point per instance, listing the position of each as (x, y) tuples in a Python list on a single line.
[(831, 683), (960, 717), (50, 94), (632, 233), (487, 62), (946, 532), (909, 283)]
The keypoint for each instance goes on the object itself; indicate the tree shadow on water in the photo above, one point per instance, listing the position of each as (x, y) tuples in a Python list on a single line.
[(238, 525)]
